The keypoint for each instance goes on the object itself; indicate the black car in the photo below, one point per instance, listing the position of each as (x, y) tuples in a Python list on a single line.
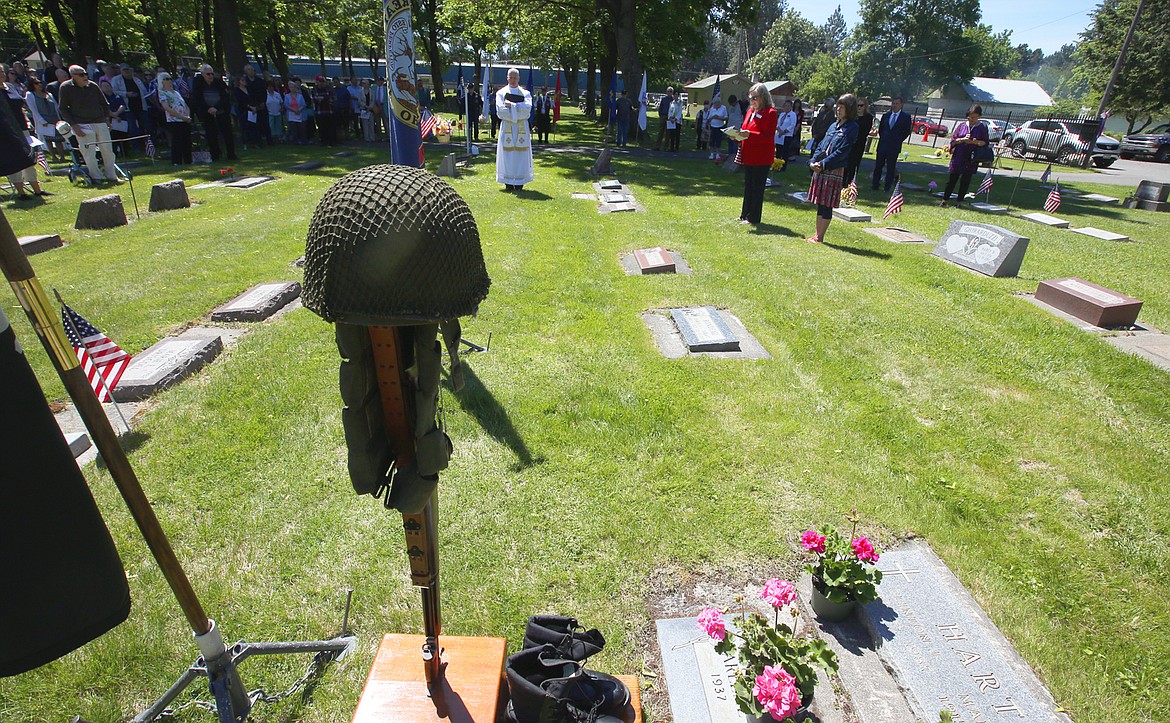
[(1154, 144)]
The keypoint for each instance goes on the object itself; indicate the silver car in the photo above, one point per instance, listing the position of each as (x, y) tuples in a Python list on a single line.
[(1061, 141), (995, 129)]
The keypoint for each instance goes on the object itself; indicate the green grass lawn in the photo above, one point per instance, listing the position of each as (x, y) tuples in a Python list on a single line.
[(1033, 457)]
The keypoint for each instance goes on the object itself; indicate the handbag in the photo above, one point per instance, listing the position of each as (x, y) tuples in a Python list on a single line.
[(984, 154)]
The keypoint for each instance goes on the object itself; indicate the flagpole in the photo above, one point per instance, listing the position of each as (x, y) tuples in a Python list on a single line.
[(96, 368)]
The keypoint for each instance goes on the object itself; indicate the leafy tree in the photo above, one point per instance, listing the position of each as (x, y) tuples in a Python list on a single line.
[(907, 47), (834, 32), (989, 54), (791, 38), (1141, 92), (823, 74)]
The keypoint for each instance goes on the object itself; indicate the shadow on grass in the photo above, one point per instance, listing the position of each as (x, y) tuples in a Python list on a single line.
[(477, 401), (869, 253), (130, 441)]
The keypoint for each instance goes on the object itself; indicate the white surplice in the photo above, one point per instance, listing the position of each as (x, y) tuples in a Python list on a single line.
[(514, 145)]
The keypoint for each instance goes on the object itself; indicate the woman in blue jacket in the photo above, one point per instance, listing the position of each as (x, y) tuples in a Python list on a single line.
[(828, 163)]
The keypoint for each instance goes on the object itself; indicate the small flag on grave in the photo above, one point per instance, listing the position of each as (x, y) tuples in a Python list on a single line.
[(1052, 203), (985, 186), (429, 121), (1047, 172), (895, 204), (150, 150), (101, 359), (43, 163)]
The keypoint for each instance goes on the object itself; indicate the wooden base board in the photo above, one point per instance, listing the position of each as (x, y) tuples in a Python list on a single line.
[(473, 690)]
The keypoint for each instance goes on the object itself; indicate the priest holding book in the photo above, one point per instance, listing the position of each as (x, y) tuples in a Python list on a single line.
[(514, 146)]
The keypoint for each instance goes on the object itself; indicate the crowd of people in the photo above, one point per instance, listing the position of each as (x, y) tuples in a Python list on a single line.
[(106, 111)]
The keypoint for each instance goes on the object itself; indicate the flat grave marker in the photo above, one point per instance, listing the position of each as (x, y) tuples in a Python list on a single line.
[(307, 166), (1045, 220), (250, 181), (1089, 302), (944, 649), (799, 196), (655, 261), (259, 302), (897, 235), (78, 443), (987, 207), (703, 329), (165, 364), (585, 196), (912, 187), (615, 198), (981, 247), (672, 345), (610, 185), (41, 243), (1100, 234), (853, 215), (617, 207), (1099, 198), (954, 196)]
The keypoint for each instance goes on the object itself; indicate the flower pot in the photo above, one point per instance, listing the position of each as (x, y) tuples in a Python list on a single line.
[(802, 713), (827, 610), (443, 137)]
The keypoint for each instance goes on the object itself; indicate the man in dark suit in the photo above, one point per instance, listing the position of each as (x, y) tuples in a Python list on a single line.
[(542, 115), (893, 130), (211, 101)]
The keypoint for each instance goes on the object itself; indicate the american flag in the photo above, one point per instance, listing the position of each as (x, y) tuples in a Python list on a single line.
[(1052, 203), (985, 187), (150, 147), (895, 204), (101, 359), (429, 121), (849, 195), (43, 162), (1047, 172)]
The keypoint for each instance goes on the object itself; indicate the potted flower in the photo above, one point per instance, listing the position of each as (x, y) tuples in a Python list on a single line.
[(842, 571), (443, 131), (776, 678)]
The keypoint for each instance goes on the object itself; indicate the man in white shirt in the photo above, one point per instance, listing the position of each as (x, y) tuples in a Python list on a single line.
[(674, 120), (514, 145), (133, 90), (785, 128), (716, 119)]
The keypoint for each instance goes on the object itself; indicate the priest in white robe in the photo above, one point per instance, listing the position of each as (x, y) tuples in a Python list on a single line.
[(514, 146)]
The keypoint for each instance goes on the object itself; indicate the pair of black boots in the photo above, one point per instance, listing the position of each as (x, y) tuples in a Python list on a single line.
[(547, 683)]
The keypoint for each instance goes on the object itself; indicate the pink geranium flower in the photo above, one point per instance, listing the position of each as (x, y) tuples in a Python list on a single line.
[(863, 548), (778, 593), (777, 692), (813, 541), (711, 622)]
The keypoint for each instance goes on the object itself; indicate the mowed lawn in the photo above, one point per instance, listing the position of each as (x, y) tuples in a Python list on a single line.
[(591, 475)]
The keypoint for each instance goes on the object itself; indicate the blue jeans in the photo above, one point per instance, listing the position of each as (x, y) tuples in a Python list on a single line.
[(623, 130)]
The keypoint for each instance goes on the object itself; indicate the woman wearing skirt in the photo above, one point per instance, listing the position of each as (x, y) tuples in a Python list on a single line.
[(828, 163)]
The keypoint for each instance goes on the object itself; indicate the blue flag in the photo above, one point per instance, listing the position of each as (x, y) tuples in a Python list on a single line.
[(402, 82), (613, 98), (529, 85)]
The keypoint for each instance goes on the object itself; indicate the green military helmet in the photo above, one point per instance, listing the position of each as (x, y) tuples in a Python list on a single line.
[(392, 246)]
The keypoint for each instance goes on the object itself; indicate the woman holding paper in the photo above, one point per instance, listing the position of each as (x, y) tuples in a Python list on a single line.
[(758, 150)]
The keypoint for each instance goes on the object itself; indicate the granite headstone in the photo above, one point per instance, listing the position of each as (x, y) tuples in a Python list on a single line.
[(703, 329), (851, 214), (987, 207), (982, 247), (169, 196), (601, 166), (1089, 302), (101, 212), (39, 244), (897, 235), (259, 302), (1045, 219), (1100, 234), (249, 182), (655, 261), (165, 364)]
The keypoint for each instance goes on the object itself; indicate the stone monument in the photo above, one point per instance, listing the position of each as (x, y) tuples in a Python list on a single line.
[(101, 212), (601, 166), (169, 196), (982, 247), (1089, 302)]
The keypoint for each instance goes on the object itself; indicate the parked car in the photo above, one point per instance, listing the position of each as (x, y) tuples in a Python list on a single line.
[(921, 126), (995, 129), (1061, 141), (1153, 144)]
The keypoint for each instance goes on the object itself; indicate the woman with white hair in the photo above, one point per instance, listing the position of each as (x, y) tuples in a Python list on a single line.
[(514, 146)]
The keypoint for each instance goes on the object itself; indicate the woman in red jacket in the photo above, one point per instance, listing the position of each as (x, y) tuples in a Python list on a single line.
[(757, 151)]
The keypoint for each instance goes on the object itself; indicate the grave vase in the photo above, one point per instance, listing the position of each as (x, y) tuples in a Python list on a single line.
[(443, 137), (828, 611)]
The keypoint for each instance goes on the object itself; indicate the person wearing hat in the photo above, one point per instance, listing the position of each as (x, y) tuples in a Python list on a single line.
[(84, 108), (212, 103), (133, 91)]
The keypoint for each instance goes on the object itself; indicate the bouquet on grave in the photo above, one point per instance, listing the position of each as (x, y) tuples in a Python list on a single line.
[(843, 567), (776, 668)]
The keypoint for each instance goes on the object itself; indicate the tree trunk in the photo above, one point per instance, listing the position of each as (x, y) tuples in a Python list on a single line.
[(321, 54), (231, 39), (278, 55), (590, 88), (208, 36), (343, 43), (627, 48)]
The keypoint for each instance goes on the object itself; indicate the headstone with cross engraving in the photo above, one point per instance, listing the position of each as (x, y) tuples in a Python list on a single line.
[(944, 649)]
